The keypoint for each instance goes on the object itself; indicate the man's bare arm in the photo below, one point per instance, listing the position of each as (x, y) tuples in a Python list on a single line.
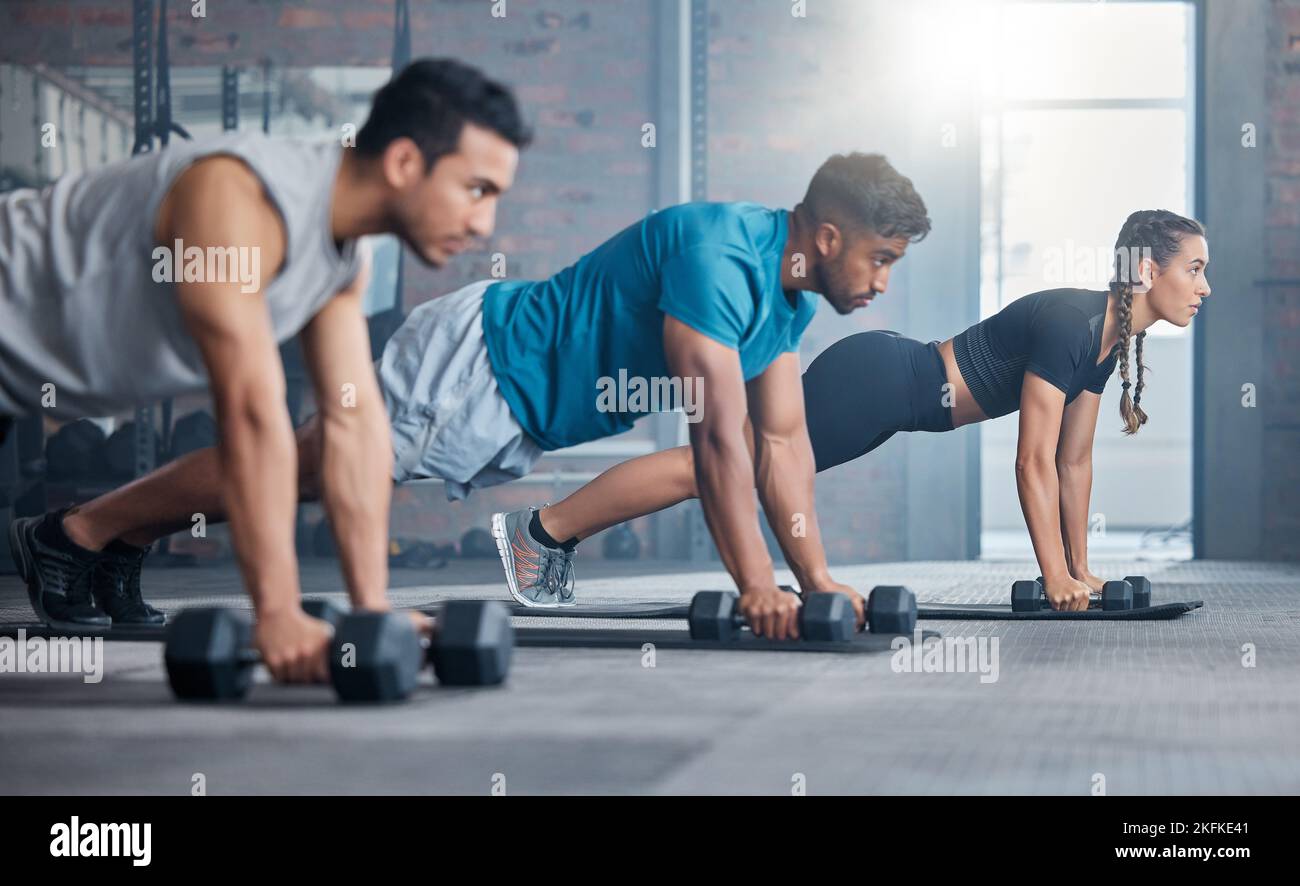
[(220, 203), (356, 448), (724, 470), (784, 469)]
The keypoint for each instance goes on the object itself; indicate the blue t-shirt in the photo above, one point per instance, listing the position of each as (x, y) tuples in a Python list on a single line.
[(559, 346)]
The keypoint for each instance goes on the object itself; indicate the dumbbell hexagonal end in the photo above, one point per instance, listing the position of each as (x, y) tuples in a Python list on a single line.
[(203, 654), (712, 615), (1141, 590), (1116, 595), (827, 618), (474, 645), (1027, 596), (375, 657), (891, 609)]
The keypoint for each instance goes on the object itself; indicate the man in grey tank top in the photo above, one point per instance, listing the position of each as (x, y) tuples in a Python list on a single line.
[(185, 269)]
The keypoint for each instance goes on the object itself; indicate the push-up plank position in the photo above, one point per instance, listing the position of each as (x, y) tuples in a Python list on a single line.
[(85, 306), (1048, 354), (481, 382)]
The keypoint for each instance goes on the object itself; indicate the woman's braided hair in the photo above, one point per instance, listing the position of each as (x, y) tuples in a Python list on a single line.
[(1149, 233)]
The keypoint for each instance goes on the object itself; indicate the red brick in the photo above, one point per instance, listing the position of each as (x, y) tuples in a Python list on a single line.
[(1283, 243), (307, 18), (1287, 139), (1284, 192), (1284, 216)]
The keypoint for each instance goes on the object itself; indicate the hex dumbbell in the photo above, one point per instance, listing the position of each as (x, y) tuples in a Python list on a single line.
[(1029, 596), (715, 615), (891, 609), (209, 654), (374, 656), (1141, 590), (473, 642), (373, 659)]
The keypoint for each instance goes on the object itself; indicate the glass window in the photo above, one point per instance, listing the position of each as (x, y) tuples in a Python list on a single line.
[(1088, 117), (1093, 50)]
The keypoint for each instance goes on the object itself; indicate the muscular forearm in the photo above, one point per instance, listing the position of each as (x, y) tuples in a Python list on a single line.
[(1037, 486), (784, 471), (1075, 484), (725, 479), (356, 488), (259, 464)]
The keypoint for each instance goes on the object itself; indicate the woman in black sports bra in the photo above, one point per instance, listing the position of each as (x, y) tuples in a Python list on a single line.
[(1048, 354)]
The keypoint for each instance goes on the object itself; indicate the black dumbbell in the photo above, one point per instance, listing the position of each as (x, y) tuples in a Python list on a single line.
[(209, 653), (473, 641), (1116, 595), (1029, 596), (1141, 590), (375, 657), (75, 450), (891, 609), (714, 615), (371, 657)]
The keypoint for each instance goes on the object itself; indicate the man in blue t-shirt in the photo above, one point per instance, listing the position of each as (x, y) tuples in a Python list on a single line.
[(698, 307)]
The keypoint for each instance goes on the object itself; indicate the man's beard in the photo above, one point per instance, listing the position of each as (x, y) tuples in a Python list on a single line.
[(829, 284)]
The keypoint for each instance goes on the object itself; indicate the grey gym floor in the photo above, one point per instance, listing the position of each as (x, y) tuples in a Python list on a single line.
[(1137, 707)]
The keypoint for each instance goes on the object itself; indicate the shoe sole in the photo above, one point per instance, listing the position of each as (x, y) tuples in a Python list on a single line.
[(35, 588), (507, 561)]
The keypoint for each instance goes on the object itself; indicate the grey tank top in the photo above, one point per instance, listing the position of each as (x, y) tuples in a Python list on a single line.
[(79, 304)]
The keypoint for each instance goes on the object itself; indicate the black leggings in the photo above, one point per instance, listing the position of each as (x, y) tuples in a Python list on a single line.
[(863, 389)]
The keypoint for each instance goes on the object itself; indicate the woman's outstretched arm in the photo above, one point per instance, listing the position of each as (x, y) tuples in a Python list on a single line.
[(1041, 408), (1074, 474)]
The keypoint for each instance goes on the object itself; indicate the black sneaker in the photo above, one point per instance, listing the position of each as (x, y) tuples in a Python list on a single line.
[(58, 578), (117, 586)]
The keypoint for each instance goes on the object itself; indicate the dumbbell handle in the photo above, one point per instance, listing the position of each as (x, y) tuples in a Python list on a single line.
[(318, 608), (333, 614), (738, 620), (248, 655)]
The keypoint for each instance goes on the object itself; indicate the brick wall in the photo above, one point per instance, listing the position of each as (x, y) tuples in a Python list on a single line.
[(1280, 388), (785, 93), (584, 73)]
